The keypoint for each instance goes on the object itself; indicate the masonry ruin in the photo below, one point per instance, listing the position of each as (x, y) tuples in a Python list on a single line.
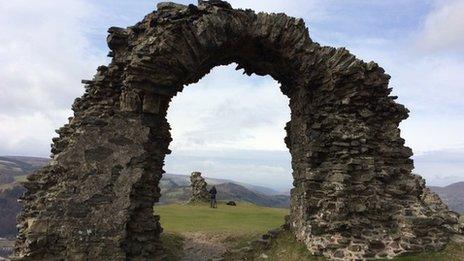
[(199, 188), (354, 195)]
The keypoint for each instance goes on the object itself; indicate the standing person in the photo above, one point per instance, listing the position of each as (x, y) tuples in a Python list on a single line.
[(213, 193)]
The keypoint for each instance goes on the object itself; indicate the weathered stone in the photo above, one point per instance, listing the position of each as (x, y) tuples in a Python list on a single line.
[(199, 188), (354, 196), (130, 101), (170, 6), (151, 103)]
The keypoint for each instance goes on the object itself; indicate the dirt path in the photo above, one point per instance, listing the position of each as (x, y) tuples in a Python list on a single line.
[(201, 247)]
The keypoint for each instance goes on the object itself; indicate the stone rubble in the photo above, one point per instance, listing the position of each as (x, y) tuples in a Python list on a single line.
[(354, 195)]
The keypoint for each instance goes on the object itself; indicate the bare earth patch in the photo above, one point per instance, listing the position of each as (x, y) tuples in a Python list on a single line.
[(203, 246)]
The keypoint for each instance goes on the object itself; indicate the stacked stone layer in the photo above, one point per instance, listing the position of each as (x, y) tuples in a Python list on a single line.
[(199, 188), (354, 195)]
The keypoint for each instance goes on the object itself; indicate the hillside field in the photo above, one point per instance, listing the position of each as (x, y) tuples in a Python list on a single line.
[(243, 218), (231, 228)]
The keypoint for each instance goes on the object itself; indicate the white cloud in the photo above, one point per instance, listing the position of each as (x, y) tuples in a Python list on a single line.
[(229, 110), (48, 46), (266, 168), (432, 88), (441, 167), (28, 135), (444, 27), (43, 56)]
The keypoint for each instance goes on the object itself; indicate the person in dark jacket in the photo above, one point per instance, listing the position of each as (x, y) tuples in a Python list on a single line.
[(213, 193)]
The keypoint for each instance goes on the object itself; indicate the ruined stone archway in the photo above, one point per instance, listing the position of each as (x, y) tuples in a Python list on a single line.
[(354, 193)]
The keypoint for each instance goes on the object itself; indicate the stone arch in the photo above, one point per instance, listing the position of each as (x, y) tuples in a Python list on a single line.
[(354, 195)]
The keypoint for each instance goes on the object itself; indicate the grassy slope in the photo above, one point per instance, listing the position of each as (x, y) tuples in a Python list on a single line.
[(21, 178), (172, 243), (6, 243), (283, 247), (235, 225), (244, 218), (17, 179), (246, 222)]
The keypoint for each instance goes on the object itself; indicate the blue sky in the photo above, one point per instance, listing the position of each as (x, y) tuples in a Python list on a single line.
[(219, 125)]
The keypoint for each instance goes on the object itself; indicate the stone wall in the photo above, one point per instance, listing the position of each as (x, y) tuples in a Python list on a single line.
[(354, 195)]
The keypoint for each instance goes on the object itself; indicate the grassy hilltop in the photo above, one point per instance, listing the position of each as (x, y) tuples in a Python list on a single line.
[(227, 228), (243, 218), (197, 231)]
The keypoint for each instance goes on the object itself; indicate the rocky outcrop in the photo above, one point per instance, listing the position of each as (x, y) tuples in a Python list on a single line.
[(354, 194), (199, 188)]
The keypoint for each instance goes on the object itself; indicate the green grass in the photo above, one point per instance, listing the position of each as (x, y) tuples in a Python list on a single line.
[(21, 178), (7, 243), (243, 218), (17, 179), (6, 186), (235, 226), (283, 247), (245, 222)]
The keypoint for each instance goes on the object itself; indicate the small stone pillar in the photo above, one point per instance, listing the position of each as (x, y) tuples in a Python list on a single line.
[(199, 191)]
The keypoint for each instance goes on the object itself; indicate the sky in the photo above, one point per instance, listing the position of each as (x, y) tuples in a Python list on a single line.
[(230, 125)]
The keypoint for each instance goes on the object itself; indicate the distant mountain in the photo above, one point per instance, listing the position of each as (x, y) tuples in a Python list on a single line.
[(14, 168), (170, 193), (9, 208), (19, 165), (174, 188), (184, 180), (233, 191), (452, 195)]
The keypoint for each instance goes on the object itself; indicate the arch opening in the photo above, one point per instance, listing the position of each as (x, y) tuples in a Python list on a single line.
[(227, 113), (222, 137)]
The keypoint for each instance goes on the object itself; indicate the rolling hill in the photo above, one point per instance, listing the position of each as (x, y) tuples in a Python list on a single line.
[(19, 165), (15, 168), (171, 192), (174, 188), (9, 208), (452, 195), (184, 180)]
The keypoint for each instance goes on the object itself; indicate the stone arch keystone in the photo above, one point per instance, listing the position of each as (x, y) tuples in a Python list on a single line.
[(354, 195)]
